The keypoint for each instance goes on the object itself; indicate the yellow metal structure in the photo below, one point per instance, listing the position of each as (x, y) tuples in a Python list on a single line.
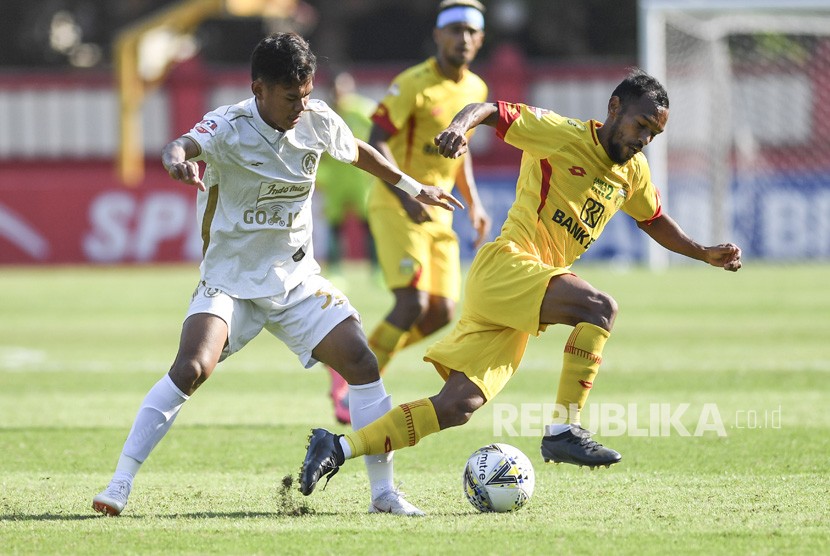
[(179, 19)]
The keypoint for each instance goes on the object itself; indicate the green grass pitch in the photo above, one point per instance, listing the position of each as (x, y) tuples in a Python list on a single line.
[(79, 348)]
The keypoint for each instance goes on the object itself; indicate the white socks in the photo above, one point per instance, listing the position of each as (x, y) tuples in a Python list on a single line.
[(368, 402), (344, 445), (154, 418)]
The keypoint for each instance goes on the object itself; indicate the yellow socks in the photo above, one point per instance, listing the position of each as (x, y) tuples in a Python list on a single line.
[(386, 341), (414, 335), (401, 427), (583, 355)]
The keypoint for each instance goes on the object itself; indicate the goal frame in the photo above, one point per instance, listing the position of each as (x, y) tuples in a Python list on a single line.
[(652, 19)]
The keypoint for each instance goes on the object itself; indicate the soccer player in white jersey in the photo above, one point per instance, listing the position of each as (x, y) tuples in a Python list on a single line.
[(258, 269)]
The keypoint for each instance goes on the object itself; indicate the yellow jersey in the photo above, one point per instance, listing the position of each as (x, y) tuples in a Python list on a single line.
[(420, 103), (568, 188)]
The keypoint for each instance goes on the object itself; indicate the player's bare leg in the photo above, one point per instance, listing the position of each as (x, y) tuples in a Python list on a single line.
[(415, 315)]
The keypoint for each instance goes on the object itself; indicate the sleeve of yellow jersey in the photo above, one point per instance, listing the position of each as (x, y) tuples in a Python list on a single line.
[(643, 202), (399, 102), (536, 131)]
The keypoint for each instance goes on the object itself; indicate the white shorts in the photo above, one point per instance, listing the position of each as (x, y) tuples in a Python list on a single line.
[(301, 318)]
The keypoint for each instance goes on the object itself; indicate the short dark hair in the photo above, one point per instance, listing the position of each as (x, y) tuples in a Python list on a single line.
[(284, 58), (638, 84)]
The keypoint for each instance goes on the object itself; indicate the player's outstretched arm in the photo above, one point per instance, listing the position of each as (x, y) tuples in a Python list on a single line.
[(665, 231), (452, 142), (370, 160), (724, 255), (432, 195), (175, 157)]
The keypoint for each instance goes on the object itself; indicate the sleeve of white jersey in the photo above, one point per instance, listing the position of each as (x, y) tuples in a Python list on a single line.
[(210, 134), (341, 145)]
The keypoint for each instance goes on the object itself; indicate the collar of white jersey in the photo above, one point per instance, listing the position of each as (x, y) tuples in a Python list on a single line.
[(266, 130)]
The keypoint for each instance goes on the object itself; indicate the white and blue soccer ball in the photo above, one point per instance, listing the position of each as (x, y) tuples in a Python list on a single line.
[(498, 478)]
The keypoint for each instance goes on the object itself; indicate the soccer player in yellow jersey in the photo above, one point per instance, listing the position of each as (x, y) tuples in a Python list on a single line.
[(574, 177), (416, 246)]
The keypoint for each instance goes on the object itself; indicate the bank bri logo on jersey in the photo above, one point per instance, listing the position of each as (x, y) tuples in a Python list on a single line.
[(571, 224), (592, 210)]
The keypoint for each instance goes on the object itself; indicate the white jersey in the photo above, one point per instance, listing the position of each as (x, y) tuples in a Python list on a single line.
[(255, 216)]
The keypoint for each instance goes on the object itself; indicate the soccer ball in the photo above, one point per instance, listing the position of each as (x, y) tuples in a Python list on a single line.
[(498, 478)]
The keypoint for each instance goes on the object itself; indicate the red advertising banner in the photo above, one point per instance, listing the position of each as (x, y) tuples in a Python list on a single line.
[(78, 212)]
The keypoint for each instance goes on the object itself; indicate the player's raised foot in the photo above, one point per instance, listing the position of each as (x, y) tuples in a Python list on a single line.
[(340, 397), (393, 502), (324, 456), (111, 500), (576, 446)]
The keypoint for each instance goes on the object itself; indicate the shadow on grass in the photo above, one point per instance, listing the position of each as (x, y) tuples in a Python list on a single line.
[(47, 517), (195, 515), (204, 515)]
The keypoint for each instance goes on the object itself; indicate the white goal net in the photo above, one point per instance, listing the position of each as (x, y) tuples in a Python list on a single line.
[(746, 155)]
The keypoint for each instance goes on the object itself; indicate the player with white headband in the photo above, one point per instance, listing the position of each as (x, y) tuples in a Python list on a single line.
[(461, 14), (417, 249)]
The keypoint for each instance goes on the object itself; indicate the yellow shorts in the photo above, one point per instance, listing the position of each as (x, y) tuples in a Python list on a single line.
[(424, 256), (502, 300)]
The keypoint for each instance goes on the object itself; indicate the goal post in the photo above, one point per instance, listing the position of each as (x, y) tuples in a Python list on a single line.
[(746, 155)]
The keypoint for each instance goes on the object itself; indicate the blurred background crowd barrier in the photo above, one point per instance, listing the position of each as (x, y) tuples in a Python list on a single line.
[(746, 155)]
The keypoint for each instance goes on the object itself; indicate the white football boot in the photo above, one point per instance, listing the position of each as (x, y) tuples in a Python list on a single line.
[(111, 500), (393, 502)]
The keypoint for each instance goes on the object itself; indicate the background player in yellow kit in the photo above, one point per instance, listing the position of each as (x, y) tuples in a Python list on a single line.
[(417, 248), (574, 177)]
